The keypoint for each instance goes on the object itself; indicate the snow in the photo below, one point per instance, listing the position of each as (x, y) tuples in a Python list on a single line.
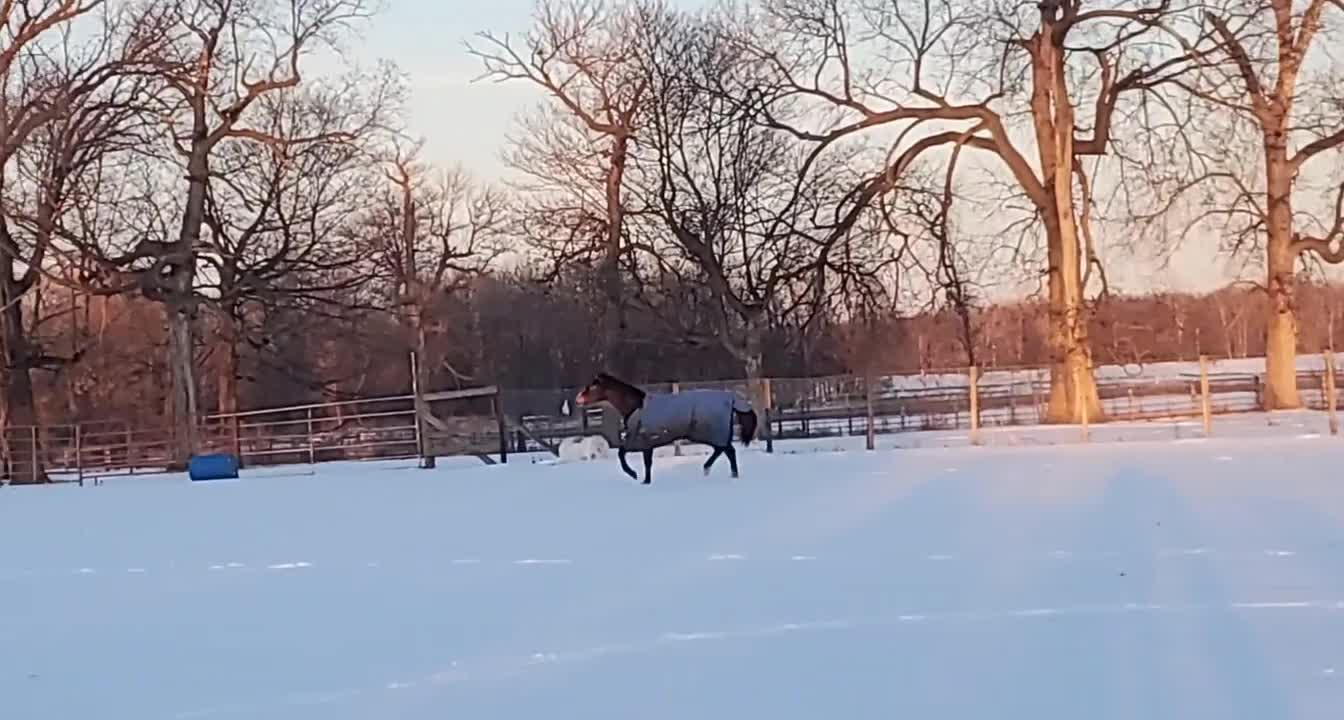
[(1035, 577), (921, 402), (1145, 372)]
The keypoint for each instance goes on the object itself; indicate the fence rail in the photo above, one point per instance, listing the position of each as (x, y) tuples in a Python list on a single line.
[(801, 408), (489, 422), (466, 422)]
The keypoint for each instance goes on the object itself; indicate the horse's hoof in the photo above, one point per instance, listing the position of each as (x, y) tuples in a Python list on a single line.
[(734, 476), (706, 472), (647, 482)]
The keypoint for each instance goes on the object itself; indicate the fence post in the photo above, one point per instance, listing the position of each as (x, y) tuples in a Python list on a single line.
[(1205, 404), (79, 455), (1082, 403), (312, 441), (34, 475), (497, 405), (869, 440), (975, 405), (416, 403), (676, 444), (769, 435), (1036, 395), (1331, 392), (769, 401), (236, 426)]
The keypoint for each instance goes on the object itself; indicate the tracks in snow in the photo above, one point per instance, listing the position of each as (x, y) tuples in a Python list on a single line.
[(490, 669), (1059, 555)]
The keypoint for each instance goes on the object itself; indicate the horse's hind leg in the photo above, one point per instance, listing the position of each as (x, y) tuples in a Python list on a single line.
[(714, 456), (648, 466), (731, 452), (620, 455)]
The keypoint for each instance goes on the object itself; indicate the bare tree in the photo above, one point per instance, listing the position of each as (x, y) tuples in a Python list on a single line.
[(735, 218), (222, 58), (955, 288), (68, 105), (1276, 123), (581, 53), (1066, 65), (560, 170), (427, 238), (278, 213)]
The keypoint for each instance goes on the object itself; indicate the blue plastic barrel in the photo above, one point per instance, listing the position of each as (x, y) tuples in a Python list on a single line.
[(213, 466)]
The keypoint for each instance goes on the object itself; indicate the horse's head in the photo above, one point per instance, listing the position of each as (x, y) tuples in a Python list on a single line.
[(605, 388), (597, 391)]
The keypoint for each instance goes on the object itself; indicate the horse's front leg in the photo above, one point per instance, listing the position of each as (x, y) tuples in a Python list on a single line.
[(648, 466), (713, 456), (620, 455), (732, 458)]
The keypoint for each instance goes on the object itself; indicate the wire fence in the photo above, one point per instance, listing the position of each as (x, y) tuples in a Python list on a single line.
[(848, 405), (489, 423), (465, 422)]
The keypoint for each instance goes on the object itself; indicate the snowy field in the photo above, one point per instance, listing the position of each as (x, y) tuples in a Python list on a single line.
[(1140, 579)]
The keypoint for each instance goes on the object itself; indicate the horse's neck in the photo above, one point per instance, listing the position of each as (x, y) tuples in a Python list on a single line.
[(628, 404)]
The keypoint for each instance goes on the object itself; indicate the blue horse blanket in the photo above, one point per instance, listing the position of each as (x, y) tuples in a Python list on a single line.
[(700, 416)]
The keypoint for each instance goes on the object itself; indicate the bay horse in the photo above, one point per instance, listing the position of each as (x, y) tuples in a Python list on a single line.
[(652, 420)]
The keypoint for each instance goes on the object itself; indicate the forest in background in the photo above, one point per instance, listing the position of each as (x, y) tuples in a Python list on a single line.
[(518, 333)]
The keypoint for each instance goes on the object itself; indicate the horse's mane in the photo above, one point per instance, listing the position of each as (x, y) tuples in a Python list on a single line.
[(606, 378)]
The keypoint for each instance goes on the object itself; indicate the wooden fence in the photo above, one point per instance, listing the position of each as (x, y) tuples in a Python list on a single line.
[(958, 399), (457, 422), (489, 423)]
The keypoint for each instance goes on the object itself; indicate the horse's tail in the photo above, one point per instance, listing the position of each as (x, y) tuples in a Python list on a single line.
[(747, 420)]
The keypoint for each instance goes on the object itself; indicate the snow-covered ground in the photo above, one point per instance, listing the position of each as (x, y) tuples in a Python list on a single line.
[(918, 402), (1151, 372), (1140, 579)]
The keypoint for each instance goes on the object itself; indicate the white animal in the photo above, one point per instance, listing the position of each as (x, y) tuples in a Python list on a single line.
[(588, 447)]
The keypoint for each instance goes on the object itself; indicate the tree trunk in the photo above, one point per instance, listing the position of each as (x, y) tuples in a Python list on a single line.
[(181, 354), (178, 289), (1073, 388), (753, 362), (755, 357), (79, 318), (609, 271), (421, 369), (227, 388), (227, 385), (1281, 284), (1330, 319), (20, 406), (412, 301)]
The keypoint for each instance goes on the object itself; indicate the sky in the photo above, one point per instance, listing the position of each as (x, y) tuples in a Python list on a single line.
[(465, 121), (461, 121)]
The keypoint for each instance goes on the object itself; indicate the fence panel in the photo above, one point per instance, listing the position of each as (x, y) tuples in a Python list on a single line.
[(466, 422)]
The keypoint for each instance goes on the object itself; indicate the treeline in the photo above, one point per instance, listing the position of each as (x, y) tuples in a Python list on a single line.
[(779, 164), (523, 333), (194, 219)]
